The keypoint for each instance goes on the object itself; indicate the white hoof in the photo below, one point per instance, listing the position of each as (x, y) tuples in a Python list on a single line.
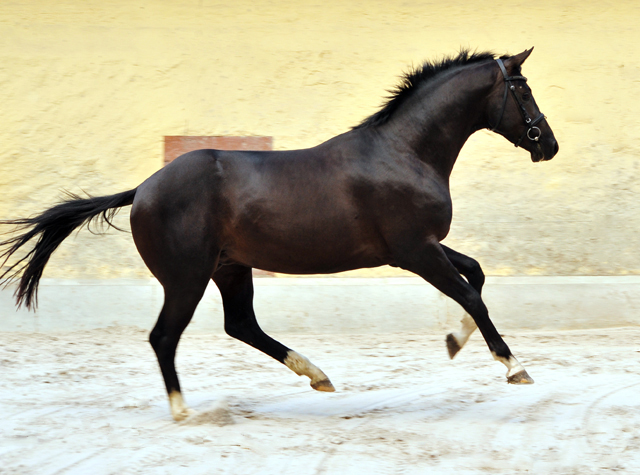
[(179, 410), (521, 377)]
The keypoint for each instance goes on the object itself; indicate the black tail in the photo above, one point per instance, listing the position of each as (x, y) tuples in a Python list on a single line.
[(52, 227)]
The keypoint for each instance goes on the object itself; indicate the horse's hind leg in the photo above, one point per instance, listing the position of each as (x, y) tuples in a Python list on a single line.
[(236, 288), (180, 301), (431, 263), (472, 271)]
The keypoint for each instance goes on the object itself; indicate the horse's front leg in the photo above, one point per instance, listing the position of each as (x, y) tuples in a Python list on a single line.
[(471, 270), (429, 260)]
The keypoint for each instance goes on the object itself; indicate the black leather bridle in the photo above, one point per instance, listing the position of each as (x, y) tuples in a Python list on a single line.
[(533, 133)]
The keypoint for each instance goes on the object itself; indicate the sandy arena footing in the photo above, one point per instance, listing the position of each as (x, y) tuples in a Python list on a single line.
[(93, 402)]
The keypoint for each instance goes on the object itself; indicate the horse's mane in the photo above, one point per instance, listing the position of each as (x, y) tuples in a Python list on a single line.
[(417, 76)]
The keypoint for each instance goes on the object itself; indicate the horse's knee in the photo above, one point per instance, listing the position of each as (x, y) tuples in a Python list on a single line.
[(163, 345), (474, 274), (477, 273)]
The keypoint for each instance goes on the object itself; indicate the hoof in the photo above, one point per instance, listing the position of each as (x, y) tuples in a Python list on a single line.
[(182, 414), (452, 345), (324, 385), (521, 377)]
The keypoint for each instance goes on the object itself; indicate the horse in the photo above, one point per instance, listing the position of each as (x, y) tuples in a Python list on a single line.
[(375, 195)]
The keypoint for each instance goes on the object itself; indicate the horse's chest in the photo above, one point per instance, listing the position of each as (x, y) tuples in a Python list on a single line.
[(422, 210), (433, 208), (427, 199)]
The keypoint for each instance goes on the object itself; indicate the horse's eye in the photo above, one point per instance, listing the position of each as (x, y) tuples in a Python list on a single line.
[(526, 96)]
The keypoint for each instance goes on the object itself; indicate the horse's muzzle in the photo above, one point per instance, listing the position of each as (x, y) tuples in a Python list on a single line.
[(545, 150)]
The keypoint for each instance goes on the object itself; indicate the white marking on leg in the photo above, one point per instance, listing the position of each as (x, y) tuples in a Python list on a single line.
[(179, 410), (468, 327), (516, 374), (512, 364), (303, 367)]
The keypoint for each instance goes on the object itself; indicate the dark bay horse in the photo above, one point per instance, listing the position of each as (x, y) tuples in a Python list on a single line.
[(378, 194)]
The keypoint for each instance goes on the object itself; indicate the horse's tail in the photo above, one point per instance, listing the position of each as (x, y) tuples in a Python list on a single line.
[(51, 228)]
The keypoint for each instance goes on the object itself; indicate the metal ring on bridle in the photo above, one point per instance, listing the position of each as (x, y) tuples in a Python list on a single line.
[(537, 137)]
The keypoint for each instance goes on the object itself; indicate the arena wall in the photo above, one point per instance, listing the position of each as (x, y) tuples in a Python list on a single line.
[(89, 89)]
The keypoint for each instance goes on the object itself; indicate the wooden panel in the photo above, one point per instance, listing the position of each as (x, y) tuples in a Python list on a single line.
[(176, 145)]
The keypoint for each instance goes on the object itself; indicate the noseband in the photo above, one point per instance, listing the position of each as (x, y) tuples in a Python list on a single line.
[(533, 133)]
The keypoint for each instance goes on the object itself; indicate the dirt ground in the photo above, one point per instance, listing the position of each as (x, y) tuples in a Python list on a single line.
[(93, 402)]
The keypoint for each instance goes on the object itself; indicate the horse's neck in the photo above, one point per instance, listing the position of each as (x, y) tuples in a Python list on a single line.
[(443, 116)]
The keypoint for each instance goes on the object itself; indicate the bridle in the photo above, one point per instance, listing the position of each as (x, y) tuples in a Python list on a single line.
[(533, 133)]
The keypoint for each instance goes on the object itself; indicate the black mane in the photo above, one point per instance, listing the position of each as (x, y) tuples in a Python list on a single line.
[(412, 79)]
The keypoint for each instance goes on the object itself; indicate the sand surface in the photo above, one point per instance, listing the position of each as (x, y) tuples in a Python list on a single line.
[(93, 402)]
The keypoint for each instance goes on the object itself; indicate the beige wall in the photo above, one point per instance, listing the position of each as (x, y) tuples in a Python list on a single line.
[(89, 88)]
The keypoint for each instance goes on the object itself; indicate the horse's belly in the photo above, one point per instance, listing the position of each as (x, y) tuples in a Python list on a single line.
[(310, 253)]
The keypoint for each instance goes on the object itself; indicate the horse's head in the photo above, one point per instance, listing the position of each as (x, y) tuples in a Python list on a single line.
[(515, 113)]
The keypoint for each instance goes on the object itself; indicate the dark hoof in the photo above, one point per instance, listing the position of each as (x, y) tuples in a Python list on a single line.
[(452, 345), (324, 385), (521, 377)]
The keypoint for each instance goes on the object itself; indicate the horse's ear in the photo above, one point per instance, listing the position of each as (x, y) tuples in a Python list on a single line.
[(515, 62)]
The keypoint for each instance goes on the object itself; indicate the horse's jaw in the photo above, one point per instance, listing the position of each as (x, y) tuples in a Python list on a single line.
[(537, 155), (544, 152)]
